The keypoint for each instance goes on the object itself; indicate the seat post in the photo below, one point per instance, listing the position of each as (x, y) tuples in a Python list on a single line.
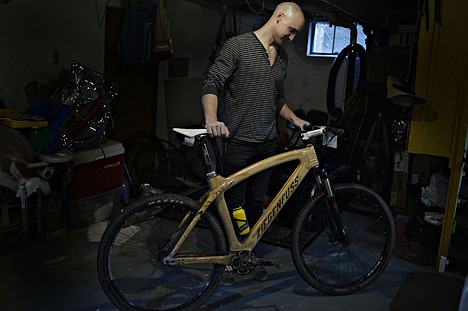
[(210, 164)]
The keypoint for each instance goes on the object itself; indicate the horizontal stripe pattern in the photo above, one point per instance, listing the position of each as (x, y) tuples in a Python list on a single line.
[(247, 87)]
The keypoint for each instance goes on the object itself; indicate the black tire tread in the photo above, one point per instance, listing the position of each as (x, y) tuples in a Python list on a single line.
[(386, 253), (139, 205)]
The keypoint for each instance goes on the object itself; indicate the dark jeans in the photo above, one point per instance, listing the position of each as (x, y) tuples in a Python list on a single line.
[(251, 192)]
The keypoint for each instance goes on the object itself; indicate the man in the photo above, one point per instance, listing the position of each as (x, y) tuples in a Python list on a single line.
[(241, 97)]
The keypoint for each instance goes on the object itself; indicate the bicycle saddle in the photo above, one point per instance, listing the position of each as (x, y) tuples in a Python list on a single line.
[(400, 95), (189, 132)]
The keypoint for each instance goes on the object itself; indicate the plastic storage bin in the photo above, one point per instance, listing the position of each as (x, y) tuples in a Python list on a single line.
[(97, 170), (45, 140)]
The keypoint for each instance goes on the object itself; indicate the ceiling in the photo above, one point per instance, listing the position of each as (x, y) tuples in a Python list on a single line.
[(371, 13)]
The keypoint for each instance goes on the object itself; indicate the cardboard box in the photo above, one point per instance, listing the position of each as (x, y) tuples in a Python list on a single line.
[(399, 191), (97, 170), (92, 209), (401, 161), (420, 169)]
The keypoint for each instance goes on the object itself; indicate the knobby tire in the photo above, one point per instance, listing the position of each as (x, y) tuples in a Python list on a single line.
[(333, 267), (130, 267)]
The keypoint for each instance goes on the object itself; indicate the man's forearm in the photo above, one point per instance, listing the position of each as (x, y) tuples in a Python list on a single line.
[(287, 114), (212, 125), (210, 107)]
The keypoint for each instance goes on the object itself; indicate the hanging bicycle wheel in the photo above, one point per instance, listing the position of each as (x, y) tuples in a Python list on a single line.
[(89, 95), (336, 267), (87, 122), (154, 161), (132, 249)]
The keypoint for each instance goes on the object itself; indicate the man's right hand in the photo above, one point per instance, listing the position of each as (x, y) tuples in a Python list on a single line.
[(217, 128)]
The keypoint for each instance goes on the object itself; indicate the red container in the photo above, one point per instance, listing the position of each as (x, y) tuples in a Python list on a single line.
[(97, 170)]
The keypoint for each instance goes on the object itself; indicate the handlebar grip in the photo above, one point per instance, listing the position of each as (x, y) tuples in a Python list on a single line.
[(336, 131), (308, 127)]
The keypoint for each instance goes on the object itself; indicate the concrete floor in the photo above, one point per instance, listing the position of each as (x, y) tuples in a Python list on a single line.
[(60, 274)]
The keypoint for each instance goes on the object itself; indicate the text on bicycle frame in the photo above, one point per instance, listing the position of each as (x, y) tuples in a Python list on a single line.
[(277, 208)]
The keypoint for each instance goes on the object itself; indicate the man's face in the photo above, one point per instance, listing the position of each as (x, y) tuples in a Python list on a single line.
[(288, 27)]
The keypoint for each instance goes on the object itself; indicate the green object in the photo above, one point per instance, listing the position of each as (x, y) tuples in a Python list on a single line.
[(39, 138)]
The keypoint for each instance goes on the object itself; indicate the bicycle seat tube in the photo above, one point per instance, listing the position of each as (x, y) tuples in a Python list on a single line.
[(210, 164)]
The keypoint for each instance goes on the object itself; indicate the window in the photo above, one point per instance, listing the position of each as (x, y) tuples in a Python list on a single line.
[(328, 40)]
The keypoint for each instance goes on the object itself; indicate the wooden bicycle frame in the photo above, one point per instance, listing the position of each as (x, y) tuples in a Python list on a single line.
[(307, 160)]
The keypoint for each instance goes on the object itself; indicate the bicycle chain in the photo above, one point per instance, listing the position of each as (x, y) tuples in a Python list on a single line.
[(245, 262)]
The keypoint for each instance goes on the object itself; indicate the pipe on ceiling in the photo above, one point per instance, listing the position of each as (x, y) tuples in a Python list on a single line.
[(366, 11)]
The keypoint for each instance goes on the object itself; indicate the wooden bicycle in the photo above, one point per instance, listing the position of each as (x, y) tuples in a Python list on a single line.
[(169, 252)]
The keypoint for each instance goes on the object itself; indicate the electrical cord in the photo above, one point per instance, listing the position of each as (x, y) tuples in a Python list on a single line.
[(253, 10)]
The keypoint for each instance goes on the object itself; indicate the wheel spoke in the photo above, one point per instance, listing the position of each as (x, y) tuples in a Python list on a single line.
[(130, 259), (341, 268)]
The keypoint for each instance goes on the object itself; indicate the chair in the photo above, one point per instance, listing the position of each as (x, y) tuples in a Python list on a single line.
[(24, 172)]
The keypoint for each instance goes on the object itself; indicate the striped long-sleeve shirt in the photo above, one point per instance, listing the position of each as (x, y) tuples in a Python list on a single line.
[(247, 87)]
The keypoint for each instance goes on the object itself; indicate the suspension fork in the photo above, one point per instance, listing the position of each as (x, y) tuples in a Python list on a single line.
[(324, 182)]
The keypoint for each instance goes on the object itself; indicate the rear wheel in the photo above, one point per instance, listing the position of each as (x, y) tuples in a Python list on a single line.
[(130, 265), (339, 267)]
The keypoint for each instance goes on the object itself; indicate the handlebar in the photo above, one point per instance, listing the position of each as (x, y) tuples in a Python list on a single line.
[(309, 132), (315, 131)]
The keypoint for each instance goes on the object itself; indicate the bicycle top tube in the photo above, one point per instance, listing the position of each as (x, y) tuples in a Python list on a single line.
[(307, 159)]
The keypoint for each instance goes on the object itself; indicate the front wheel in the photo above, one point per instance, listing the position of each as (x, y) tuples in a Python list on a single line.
[(130, 256), (339, 265)]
